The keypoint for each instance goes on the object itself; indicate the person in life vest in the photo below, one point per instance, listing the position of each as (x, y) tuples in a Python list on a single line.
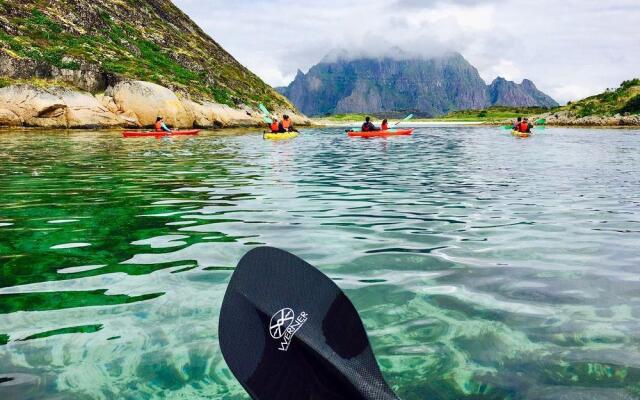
[(161, 126), (525, 126), (385, 125), (275, 126), (286, 125), (516, 125), (368, 126)]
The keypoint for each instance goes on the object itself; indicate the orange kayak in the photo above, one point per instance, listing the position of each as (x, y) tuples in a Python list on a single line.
[(160, 134), (390, 132)]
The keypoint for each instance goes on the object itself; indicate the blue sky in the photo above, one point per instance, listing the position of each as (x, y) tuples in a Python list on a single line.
[(569, 48)]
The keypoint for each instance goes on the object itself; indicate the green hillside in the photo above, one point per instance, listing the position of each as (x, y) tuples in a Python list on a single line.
[(149, 40), (624, 99)]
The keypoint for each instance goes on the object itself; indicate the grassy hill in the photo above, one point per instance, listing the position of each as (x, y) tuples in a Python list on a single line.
[(149, 40), (621, 100)]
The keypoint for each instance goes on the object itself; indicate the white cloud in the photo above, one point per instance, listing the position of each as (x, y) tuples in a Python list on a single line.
[(506, 69), (569, 49)]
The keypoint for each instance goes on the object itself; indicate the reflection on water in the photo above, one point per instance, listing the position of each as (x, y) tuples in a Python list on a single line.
[(484, 266)]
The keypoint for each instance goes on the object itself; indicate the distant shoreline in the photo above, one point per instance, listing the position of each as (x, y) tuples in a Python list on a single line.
[(445, 123)]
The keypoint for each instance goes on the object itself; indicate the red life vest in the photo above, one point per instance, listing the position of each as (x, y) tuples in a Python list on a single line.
[(384, 127), (286, 123), (158, 126), (524, 127), (274, 126)]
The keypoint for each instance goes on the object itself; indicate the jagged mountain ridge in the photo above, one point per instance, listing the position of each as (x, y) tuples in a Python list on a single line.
[(428, 87)]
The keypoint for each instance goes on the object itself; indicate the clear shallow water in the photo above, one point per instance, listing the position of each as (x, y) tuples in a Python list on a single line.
[(484, 266)]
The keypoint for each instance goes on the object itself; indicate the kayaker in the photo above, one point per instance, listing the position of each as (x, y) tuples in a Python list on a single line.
[(161, 126), (525, 126), (516, 125), (368, 126), (274, 126), (287, 125), (384, 126)]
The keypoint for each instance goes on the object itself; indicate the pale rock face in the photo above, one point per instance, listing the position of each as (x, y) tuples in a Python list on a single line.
[(85, 111), (202, 115), (107, 102), (9, 118), (221, 115), (147, 101), (34, 106), (56, 107)]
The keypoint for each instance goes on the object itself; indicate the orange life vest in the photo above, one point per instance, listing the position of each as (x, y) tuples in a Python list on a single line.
[(159, 126), (286, 123), (274, 126), (384, 127)]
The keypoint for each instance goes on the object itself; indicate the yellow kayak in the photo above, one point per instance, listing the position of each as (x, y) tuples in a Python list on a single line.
[(280, 136), (520, 134)]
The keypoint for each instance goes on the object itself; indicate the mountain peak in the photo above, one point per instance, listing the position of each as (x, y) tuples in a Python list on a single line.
[(398, 81), (508, 93)]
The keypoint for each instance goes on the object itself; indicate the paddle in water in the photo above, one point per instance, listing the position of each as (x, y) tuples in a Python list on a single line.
[(287, 332)]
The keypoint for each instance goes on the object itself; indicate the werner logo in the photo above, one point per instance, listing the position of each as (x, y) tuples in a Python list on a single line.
[(284, 325)]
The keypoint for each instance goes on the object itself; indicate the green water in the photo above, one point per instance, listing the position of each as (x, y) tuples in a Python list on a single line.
[(484, 266)]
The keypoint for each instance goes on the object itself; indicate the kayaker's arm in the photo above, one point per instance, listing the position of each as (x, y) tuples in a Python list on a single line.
[(165, 127)]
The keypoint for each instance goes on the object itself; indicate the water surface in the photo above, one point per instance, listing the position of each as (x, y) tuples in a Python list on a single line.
[(484, 266)]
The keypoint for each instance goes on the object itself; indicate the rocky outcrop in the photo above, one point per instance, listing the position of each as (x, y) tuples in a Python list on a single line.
[(127, 104), (85, 76), (145, 101), (93, 44), (54, 108), (9, 118), (566, 118), (106, 51), (221, 115)]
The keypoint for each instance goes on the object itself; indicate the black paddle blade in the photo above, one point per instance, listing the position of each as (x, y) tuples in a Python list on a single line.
[(288, 332)]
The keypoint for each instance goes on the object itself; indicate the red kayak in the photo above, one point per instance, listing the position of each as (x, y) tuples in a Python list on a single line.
[(160, 134), (390, 132)]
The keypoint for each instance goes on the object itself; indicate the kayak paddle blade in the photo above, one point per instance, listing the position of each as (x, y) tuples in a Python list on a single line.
[(287, 332), (264, 109), (541, 121), (267, 119), (408, 117)]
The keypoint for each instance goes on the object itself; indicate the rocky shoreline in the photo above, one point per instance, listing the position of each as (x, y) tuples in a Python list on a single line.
[(566, 118), (127, 104)]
